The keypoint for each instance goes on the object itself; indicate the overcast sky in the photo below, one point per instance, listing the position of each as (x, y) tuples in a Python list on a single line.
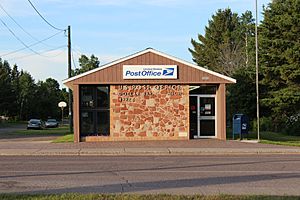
[(109, 29)]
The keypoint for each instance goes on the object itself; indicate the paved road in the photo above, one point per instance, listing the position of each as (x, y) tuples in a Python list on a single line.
[(256, 174)]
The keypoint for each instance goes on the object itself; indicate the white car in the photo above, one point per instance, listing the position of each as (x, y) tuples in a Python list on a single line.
[(51, 123)]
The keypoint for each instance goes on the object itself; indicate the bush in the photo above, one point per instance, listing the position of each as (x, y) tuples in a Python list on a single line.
[(265, 124), (293, 129), (290, 127)]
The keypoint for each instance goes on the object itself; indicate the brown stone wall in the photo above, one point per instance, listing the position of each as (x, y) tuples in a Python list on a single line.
[(149, 112)]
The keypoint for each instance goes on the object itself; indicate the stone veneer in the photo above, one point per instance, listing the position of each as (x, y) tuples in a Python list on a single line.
[(145, 112)]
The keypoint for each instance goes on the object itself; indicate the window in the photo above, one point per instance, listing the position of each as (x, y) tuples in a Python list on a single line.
[(87, 120), (103, 123), (87, 100), (94, 110), (102, 97)]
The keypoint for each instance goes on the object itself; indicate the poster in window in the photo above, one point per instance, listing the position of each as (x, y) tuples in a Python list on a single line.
[(207, 106)]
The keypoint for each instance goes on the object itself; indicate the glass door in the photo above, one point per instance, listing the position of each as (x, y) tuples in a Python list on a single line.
[(207, 116), (202, 116)]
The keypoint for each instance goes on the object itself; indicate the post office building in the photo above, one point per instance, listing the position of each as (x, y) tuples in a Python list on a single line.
[(149, 95)]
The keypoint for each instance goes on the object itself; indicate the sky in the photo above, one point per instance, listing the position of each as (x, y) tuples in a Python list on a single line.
[(109, 29)]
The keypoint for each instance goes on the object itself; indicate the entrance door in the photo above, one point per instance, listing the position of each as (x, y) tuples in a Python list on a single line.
[(202, 116)]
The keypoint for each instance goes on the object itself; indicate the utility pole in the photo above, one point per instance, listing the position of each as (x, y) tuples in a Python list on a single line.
[(256, 63), (69, 76)]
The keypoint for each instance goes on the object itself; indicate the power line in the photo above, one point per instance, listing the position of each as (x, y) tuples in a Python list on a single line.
[(44, 18), (38, 42), (22, 27), (17, 23), (25, 56), (76, 51), (19, 38)]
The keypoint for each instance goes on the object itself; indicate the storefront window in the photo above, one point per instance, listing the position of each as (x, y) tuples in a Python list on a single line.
[(87, 100), (102, 97), (87, 122), (94, 109), (103, 123)]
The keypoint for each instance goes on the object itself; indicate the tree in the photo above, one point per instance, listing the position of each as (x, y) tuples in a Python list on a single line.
[(21, 98), (224, 47), (49, 97), (6, 95), (280, 61), (86, 64), (27, 96), (15, 75), (228, 48), (241, 97)]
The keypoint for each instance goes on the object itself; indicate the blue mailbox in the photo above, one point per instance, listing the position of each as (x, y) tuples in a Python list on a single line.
[(240, 125)]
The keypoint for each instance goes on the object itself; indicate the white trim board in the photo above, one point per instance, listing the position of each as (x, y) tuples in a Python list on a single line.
[(155, 52)]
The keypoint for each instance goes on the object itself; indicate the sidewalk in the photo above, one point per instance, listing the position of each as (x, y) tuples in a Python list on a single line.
[(139, 148)]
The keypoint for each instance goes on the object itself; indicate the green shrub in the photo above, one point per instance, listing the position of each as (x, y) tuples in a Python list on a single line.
[(266, 124), (292, 128)]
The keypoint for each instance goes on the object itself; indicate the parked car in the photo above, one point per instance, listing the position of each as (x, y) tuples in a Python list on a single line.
[(51, 123), (35, 124)]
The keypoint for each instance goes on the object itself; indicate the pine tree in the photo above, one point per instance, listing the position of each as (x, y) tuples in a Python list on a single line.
[(14, 109), (280, 60), (228, 48), (224, 47), (27, 97), (6, 95)]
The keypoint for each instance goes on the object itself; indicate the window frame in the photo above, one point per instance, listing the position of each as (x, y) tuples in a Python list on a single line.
[(95, 109)]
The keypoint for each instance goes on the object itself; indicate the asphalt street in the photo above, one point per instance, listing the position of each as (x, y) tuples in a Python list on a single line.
[(249, 174)]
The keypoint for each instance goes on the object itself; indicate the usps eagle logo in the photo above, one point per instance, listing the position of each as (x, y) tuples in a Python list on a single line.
[(168, 72)]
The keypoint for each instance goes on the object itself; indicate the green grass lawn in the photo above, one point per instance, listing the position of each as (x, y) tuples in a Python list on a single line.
[(276, 138), (65, 138), (141, 197), (62, 130)]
